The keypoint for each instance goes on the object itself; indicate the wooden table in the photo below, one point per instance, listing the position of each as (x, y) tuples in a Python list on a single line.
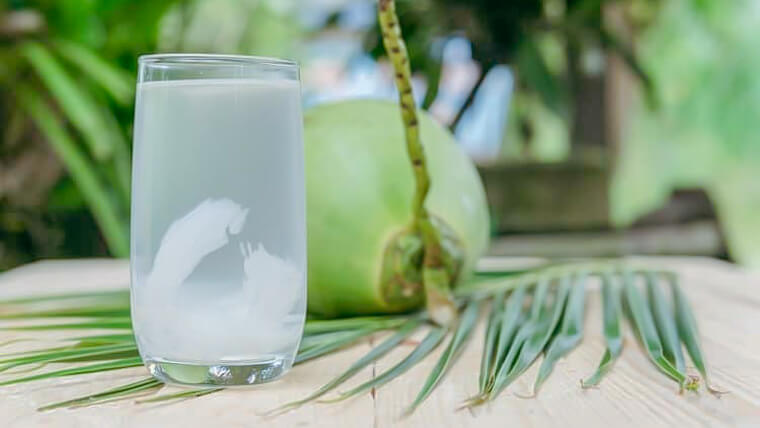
[(726, 300)]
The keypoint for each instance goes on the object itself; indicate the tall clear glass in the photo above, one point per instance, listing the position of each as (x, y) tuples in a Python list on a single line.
[(218, 256)]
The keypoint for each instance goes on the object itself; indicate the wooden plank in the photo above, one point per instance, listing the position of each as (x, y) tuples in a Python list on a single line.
[(726, 300)]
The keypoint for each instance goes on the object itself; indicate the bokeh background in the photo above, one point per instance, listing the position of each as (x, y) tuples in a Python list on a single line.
[(601, 128)]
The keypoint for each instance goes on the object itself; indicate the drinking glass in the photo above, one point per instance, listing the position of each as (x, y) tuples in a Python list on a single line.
[(218, 227)]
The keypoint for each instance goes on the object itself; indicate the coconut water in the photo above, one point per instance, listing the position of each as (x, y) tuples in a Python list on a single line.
[(218, 225)]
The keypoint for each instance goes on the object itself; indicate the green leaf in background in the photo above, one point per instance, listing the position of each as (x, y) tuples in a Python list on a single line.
[(74, 101), (82, 171), (119, 84), (536, 74), (612, 42)]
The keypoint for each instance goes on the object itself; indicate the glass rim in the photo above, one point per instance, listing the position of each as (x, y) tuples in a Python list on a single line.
[(213, 59)]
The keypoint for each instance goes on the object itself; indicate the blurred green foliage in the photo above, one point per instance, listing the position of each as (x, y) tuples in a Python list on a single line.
[(703, 55), (67, 79), (67, 85)]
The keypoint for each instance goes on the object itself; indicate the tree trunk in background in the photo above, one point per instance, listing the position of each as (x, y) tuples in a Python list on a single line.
[(588, 124)]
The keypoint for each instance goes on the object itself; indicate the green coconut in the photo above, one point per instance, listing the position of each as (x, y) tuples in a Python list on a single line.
[(360, 186)]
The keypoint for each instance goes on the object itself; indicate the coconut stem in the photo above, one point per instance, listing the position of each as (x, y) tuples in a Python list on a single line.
[(396, 49), (436, 278)]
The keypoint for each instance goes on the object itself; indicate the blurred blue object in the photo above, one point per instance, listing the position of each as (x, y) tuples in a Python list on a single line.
[(481, 129)]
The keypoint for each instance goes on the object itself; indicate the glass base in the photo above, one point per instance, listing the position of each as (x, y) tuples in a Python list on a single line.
[(224, 374)]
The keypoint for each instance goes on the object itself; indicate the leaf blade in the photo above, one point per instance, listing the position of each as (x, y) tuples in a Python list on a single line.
[(646, 330), (92, 368), (120, 392), (383, 348), (569, 334), (664, 320), (75, 102), (535, 335), (106, 213), (688, 332), (459, 338), (428, 344), (611, 330), (115, 81)]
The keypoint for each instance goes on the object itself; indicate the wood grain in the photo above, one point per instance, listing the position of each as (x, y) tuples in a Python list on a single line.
[(726, 301)]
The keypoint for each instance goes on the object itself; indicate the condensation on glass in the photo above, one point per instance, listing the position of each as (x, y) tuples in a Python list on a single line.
[(218, 228)]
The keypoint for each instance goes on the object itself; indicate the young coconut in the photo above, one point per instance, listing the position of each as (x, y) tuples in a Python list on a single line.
[(384, 237)]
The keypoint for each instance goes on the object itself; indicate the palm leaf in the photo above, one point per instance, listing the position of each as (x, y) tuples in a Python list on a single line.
[(569, 334), (117, 323), (92, 368), (328, 345), (532, 337), (325, 326), (192, 393), (127, 391), (611, 330), (383, 348), (491, 341), (515, 335), (77, 353), (458, 340), (121, 296), (510, 321), (665, 322), (687, 328), (427, 345), (86, 311), (643, 323)]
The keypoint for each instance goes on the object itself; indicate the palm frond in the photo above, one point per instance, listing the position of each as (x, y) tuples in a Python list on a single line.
[(531, 312)]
